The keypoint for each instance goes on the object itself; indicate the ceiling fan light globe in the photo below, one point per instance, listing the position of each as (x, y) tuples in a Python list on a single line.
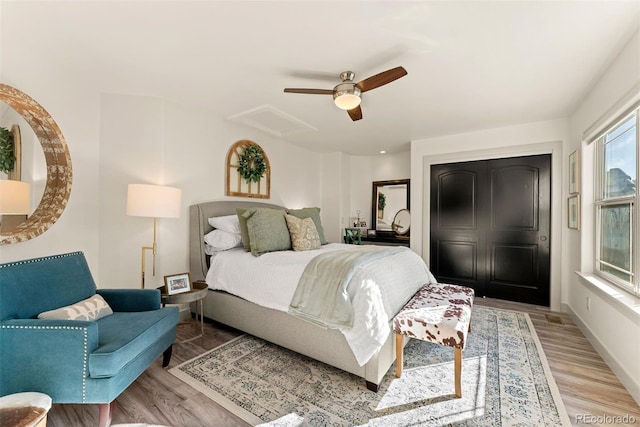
[(347, 101), (346, 96)]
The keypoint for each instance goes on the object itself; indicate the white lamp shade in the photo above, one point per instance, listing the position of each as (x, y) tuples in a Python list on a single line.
[(153, 201), (14, 197)]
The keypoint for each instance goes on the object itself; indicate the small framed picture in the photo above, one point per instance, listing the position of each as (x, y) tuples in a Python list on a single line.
[(574, 212), (363, 224), (574, 173), (371, 233), (177, 283)]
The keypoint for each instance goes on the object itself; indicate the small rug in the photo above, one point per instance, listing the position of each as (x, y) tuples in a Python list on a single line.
[(506, 381)]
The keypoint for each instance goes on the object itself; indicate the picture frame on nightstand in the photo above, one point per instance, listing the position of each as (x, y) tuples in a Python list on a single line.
[(177, 283)]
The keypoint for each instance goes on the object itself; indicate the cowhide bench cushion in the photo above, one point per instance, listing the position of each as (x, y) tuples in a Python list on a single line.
[(439, 313)]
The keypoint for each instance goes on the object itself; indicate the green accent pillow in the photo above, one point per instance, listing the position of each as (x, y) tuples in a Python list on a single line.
[(314, 214), (303, 232), (268, 230), (244, 231)]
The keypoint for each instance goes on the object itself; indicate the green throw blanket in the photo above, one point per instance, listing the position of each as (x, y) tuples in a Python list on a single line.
[(321, 296)]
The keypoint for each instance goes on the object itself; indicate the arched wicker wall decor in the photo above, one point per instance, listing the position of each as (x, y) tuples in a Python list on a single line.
[(236, 185), (56, 154)]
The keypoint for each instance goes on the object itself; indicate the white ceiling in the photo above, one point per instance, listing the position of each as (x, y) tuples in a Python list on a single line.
[(471, 65)]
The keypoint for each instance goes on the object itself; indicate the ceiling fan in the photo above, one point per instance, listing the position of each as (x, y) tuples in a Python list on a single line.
[(346, 95)]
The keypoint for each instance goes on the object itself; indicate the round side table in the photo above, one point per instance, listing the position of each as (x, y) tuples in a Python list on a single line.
[(196, 294)]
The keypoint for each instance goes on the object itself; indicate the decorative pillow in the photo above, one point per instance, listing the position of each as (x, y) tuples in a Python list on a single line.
[(92, 308), (304, 235), (268, 231), (244, 230), (314, 214), (228, 223), (220, 240)]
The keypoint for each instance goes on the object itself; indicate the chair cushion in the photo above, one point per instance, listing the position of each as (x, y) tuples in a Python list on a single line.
[(438, 313), (124, 336)]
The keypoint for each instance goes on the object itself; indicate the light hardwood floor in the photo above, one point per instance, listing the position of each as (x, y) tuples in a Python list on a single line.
[(587, 385)]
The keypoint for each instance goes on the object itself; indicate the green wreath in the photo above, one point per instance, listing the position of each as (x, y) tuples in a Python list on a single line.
[(251, 164)]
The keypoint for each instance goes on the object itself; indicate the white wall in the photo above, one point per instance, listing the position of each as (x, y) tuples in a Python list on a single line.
[(118, 139), (513, 141), (335, 194), (365, 170), (613, 321)]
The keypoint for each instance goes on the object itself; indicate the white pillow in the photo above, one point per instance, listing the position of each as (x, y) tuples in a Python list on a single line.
[(228, 223), (92, 308), (220, 240)]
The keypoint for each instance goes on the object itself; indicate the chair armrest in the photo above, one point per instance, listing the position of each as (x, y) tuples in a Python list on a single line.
[(131, 299), (56, 351)]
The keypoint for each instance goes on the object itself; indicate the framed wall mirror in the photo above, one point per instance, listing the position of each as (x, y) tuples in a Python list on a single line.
[(58, 162), (388, 198)]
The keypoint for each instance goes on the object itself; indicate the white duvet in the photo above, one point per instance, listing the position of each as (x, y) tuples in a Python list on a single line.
[(378, 290)]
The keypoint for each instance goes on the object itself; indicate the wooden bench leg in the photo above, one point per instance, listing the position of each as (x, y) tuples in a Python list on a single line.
[(457, 366), (399, 350)]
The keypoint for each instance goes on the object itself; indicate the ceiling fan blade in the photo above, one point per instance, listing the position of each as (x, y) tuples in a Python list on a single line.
[(381, 79), (355, 113), (310, 91)]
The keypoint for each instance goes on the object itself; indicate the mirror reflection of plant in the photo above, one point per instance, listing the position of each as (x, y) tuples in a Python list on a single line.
[(7, 154), (382, 201)]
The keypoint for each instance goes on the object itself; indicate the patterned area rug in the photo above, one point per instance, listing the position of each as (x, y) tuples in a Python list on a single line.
[(505, 382)]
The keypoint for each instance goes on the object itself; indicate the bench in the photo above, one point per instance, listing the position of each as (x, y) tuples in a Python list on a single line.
[(438, 313)]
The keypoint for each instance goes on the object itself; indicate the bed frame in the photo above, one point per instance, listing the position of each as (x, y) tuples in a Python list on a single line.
[(326, 345)]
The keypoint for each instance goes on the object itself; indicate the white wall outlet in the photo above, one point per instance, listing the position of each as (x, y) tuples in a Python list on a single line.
[(588, 303)]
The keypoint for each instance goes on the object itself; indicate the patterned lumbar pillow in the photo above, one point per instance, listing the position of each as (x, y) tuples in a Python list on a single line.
[(89, 309), (304, 234)]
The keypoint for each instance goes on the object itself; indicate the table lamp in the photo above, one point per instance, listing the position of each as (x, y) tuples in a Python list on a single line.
[(155, 201), (15, 204), (14, 197)]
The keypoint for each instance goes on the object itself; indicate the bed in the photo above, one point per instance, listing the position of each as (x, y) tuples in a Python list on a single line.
[(324, 344)]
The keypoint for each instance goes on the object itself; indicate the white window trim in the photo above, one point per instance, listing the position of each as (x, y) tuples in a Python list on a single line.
[(599, 202)]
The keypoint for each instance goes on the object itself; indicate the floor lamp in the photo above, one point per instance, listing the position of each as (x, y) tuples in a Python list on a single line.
[(155, 201)]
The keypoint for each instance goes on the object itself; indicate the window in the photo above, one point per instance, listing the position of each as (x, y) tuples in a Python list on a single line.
[(617, 203)]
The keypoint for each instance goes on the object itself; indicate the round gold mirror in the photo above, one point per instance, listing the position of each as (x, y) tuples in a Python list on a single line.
[(401, 222), (59, 173)]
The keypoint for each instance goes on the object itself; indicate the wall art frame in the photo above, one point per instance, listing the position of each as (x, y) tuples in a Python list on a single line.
[(256, 185), (573, 212), (574, 173)]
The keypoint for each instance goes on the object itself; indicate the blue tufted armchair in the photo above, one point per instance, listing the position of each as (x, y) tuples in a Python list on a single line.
[(76, 361)]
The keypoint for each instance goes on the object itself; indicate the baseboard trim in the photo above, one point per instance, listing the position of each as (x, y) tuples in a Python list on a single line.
[(627, 380)]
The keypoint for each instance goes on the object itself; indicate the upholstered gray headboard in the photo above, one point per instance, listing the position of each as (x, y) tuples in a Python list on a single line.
[(199, 226)]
